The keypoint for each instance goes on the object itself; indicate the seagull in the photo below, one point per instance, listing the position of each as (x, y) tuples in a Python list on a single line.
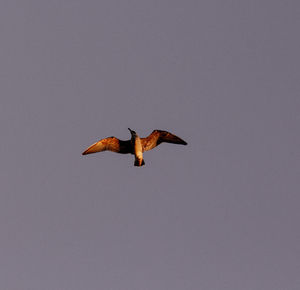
[(135, 145)]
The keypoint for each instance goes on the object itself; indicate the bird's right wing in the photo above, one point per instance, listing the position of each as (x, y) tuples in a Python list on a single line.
[(159, 136), (110, 144)]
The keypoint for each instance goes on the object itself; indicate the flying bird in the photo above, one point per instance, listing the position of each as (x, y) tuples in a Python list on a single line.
[(135, 145)]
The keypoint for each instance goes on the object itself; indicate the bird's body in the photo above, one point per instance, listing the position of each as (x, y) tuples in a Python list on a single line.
[(135, 145), (138, 150)]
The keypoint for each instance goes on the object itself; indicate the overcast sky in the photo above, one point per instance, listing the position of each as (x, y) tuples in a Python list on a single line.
[(219, 214)]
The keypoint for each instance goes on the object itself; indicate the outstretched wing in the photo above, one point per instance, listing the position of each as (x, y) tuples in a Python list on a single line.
[(157, 137), (110, 144)]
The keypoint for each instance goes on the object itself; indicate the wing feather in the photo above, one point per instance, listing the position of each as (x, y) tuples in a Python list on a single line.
[(157, 137), (109, 144)]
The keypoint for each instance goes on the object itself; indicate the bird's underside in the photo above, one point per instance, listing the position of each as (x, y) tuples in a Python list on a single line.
[(129, 146)]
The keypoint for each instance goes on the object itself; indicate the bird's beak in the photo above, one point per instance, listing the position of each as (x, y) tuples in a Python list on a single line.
[(130, 130)]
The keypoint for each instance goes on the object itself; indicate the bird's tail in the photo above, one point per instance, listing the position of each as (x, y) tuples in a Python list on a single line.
[(139, 162)]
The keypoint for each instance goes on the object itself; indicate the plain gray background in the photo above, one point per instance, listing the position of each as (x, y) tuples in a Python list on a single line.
[(219, 214)]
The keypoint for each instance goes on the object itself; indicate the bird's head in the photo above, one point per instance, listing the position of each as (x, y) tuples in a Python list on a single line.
[(133, 133)]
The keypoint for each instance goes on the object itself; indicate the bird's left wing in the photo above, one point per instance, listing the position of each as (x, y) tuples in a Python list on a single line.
[(110, 144)]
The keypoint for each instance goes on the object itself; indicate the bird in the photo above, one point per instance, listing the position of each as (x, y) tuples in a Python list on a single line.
[(136, 145)]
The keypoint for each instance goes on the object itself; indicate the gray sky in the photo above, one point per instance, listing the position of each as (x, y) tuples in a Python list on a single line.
[(219, 214)]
